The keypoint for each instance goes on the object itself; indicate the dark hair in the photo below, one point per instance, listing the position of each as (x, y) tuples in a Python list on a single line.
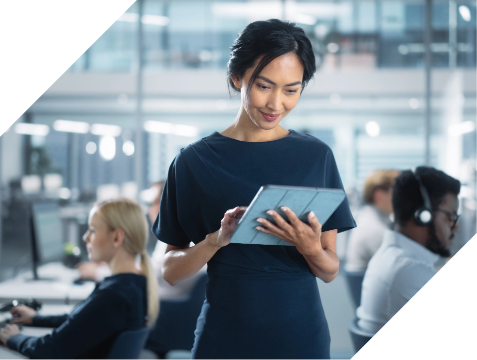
[(407, 197), (271, 38)]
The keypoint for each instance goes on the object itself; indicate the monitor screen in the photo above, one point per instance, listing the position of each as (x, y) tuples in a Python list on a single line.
[(48, 232)]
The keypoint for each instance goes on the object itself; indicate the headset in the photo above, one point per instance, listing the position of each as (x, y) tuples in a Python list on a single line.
[(423, 216)]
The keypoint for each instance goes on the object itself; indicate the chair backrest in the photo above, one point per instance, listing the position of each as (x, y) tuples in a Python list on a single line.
[(355, 283), (359, 337), (128, 344)]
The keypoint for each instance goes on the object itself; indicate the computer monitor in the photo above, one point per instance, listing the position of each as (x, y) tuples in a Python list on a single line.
[(46, 235)]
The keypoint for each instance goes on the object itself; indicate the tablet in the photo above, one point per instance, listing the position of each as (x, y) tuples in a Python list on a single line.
[(301, 200)]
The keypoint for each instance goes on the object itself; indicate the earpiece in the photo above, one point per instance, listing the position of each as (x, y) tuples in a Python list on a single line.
[(423, 216)]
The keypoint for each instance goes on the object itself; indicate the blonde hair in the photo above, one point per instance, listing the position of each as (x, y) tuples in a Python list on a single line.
[(380, 179), (127, 215)]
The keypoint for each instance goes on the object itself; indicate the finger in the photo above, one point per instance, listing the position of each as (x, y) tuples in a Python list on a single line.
[(280, 221), (15, 309), (269, 225), (271, 232), (314, 222), (292, 218)]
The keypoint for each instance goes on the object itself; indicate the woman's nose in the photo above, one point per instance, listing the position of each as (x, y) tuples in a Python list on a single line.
[(274, 101), (86, 236)]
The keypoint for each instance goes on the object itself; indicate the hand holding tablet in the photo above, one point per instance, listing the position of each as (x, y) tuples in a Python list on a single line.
[(300, 200)]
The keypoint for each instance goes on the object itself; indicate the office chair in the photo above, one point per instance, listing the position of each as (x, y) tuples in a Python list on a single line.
[(175, 326), (359, 337), (128, 344), (355, 283)]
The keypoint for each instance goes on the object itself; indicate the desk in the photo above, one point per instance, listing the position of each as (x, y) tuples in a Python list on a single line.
[(59, 290), (6, 353)]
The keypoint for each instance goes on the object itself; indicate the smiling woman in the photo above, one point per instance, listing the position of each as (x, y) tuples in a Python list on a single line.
[(270, 71), (262, 301)]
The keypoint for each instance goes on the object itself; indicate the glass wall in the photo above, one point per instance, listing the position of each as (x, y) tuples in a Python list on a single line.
[(345, 34)]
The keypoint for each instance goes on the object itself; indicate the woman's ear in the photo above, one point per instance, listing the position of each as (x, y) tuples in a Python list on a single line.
[(118, 237), (237, 81)]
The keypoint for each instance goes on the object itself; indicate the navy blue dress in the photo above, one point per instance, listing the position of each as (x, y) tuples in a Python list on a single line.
[(262, 301)]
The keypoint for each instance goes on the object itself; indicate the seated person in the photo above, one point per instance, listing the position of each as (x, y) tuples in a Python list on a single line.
[(405, 262), (98, 271), (373, 220), (126, 300)]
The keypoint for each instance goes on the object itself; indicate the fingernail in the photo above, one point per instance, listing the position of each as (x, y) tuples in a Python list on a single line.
[(312, 214), (284, 208), (259, 220), (270, 212), (258, 228)]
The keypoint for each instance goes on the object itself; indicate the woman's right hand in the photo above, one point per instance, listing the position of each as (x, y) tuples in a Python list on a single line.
[(229, 223), (25, 314)]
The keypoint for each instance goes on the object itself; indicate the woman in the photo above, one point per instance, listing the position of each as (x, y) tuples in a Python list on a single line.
[(126, 300), (261, 301)]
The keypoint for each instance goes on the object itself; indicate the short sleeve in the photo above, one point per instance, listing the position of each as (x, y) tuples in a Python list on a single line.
[(167, 227), (341, 219)]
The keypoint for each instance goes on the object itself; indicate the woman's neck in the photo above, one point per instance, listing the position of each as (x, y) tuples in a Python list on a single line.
[(123, 263), (244, 129)]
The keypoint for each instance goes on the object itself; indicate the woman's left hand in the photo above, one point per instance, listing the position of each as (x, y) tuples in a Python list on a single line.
[(306, 238), (7, 332)]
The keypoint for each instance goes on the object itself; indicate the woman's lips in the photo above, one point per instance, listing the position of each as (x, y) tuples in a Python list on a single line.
[(270, 117)]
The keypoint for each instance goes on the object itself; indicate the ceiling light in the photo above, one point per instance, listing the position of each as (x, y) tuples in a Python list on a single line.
[(155, 20), (146, 19), (186, 130), (105, 130), (91, 147), (464, 12), (168, 128), (107, 147), (71, 126), (158, 127), (372, 128), (304, 19), (32, 129), (128, 148), (461, 128)]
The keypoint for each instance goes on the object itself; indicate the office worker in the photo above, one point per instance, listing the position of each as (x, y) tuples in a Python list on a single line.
[(261, 301), (99, 270), (425, 208), (373, 220), (126, 300)]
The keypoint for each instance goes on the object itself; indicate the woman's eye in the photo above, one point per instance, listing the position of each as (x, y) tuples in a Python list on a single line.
[(262, 87), (292, 91)]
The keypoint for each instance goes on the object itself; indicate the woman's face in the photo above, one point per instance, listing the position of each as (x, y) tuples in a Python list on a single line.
[(275, 92), (100, 240)]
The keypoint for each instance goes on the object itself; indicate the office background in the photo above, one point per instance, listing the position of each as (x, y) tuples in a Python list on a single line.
[(395, 88)]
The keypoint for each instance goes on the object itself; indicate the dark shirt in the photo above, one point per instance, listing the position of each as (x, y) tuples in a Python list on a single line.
[(251, 288), (117, 304)]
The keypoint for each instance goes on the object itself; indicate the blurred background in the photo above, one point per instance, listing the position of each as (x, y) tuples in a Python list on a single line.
[(395, 88)]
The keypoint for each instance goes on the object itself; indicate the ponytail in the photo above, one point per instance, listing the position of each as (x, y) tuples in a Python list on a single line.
[(128, 216), (152, 295)]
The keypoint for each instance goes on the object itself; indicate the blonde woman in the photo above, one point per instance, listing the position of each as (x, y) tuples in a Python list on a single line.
[(126, 300)]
